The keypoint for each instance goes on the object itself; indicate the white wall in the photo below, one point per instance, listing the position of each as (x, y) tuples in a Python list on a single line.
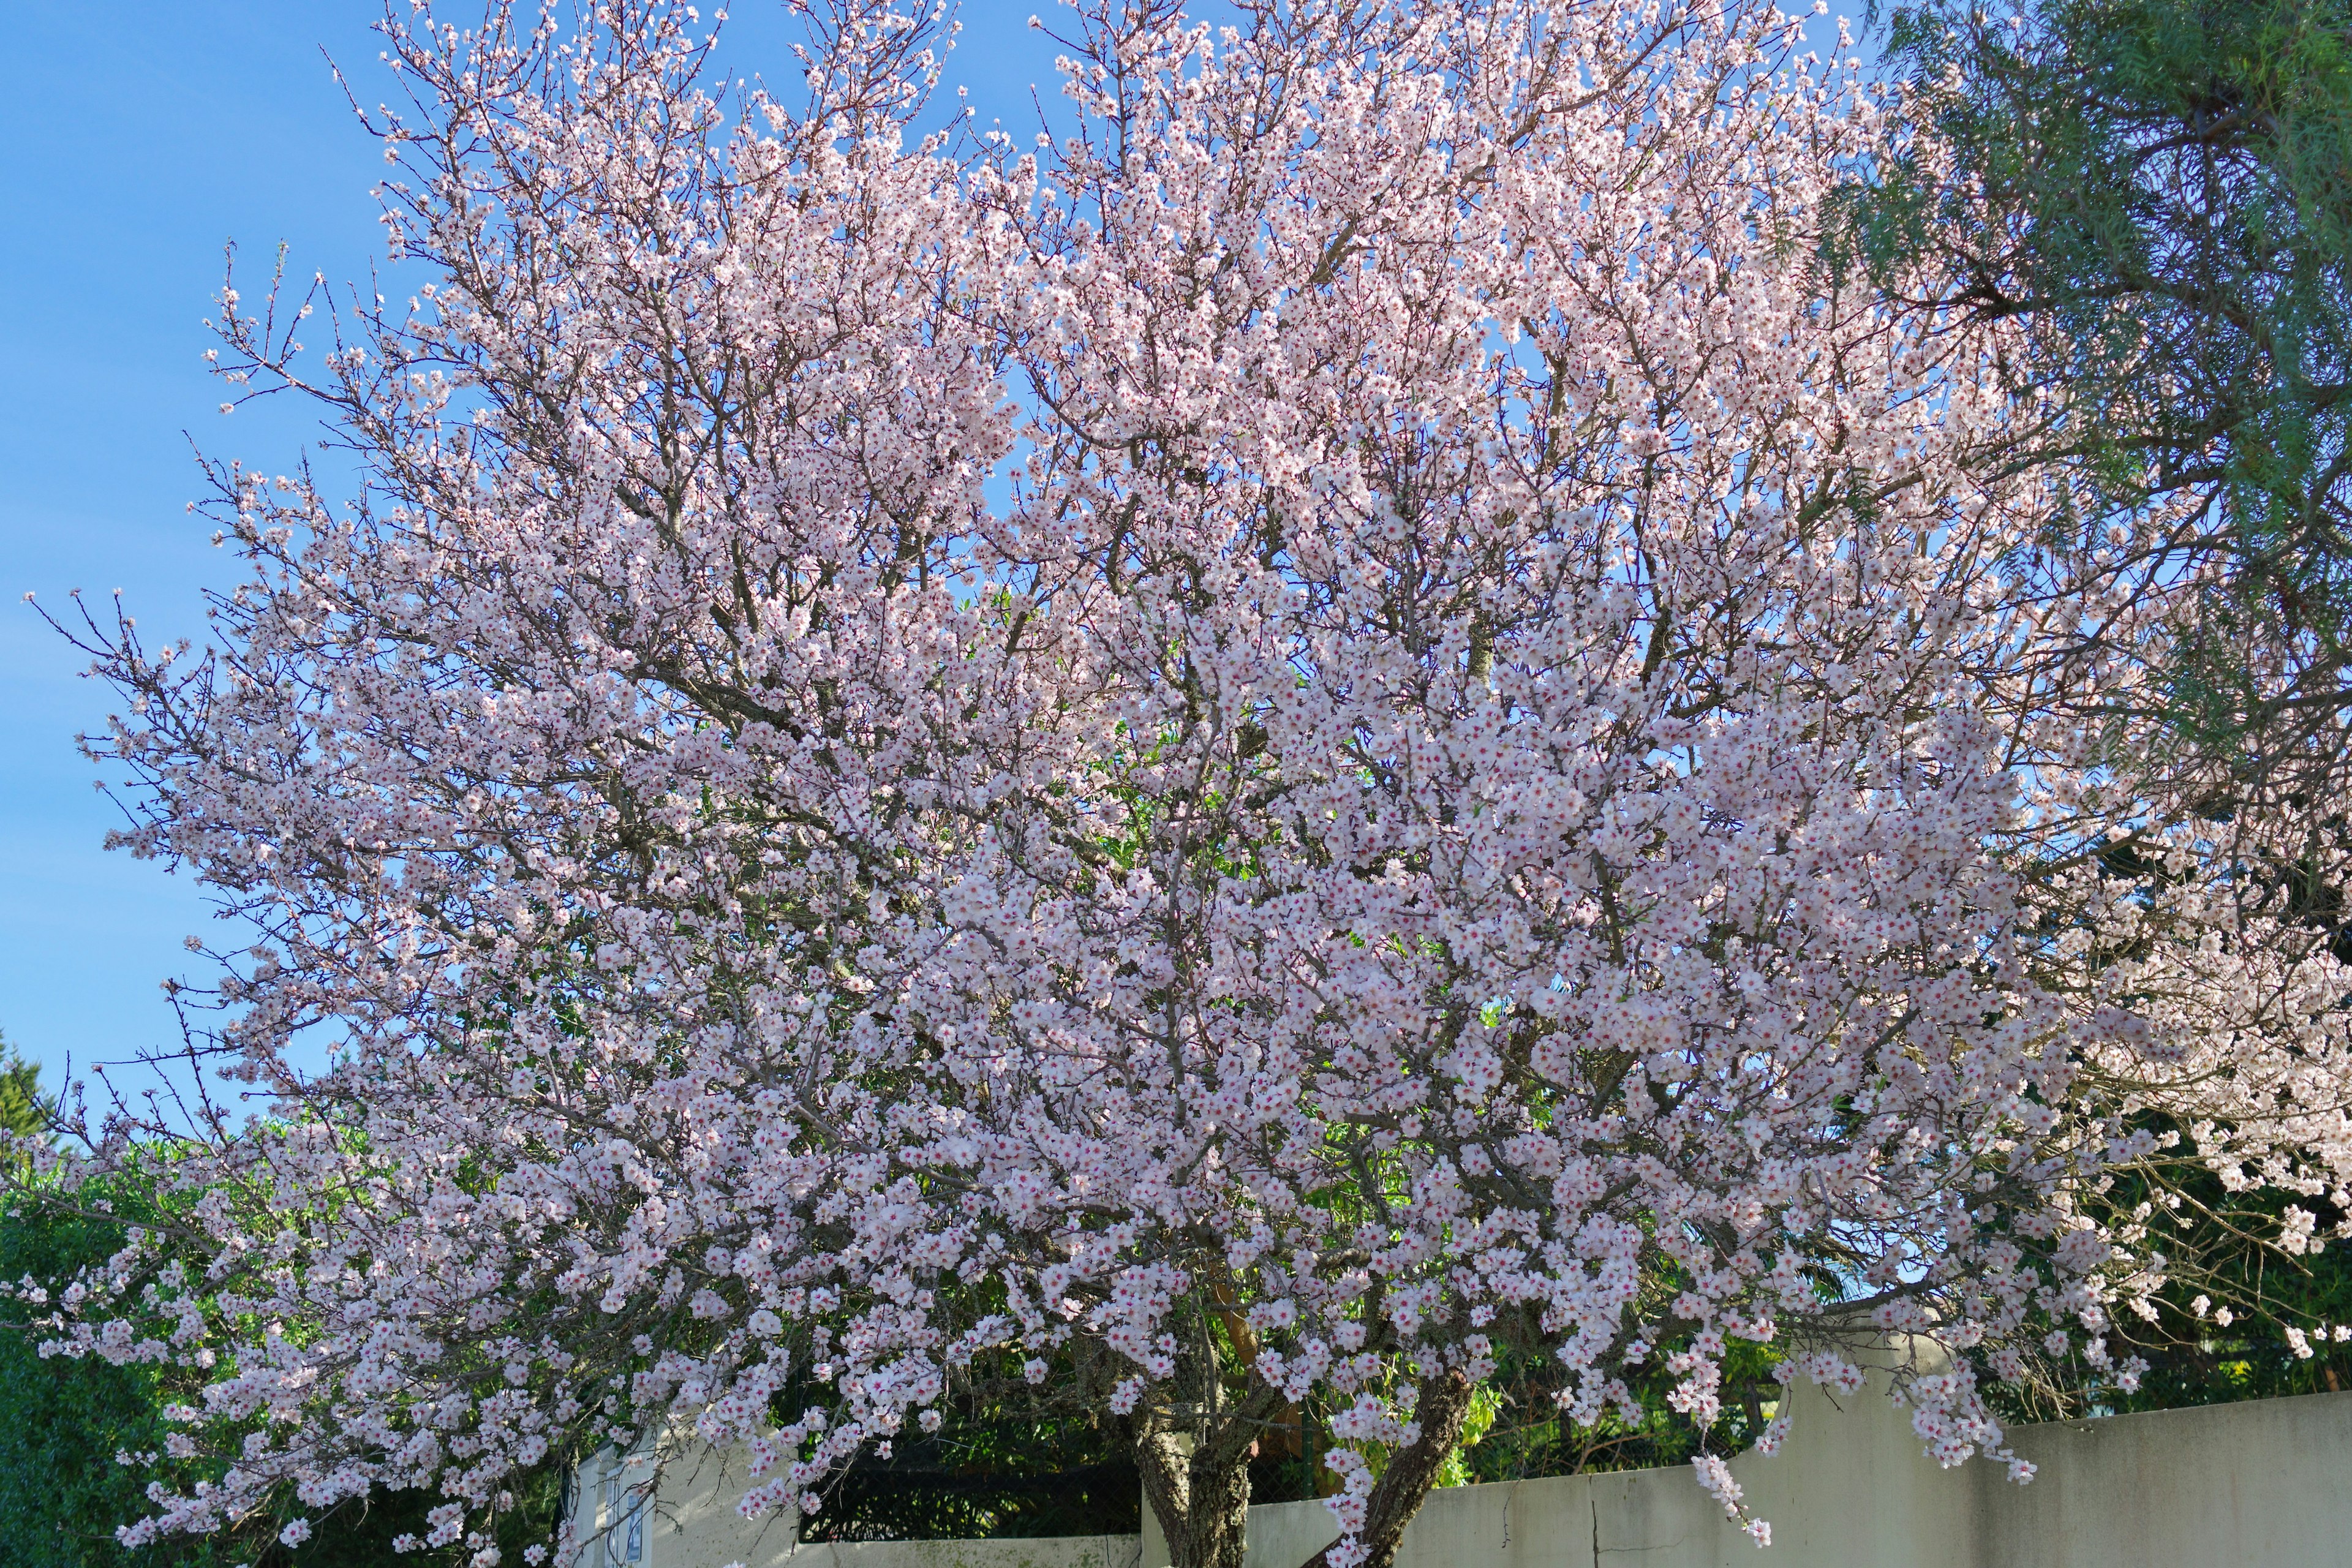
[(2266, 1484)]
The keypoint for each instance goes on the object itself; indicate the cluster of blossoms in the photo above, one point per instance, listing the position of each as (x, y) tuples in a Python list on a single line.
[(1355, 718)]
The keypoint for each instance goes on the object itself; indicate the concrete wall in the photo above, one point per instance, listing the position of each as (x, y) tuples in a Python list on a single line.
[(2266, 1484)]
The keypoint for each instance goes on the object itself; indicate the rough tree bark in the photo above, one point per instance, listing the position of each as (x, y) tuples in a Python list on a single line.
[(1201, 1496), (1398, 1495)]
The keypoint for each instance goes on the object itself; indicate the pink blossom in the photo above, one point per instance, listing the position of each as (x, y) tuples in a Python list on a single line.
[(1357, 704)]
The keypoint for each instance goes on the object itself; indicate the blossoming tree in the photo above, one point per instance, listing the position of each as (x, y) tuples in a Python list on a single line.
[(1351, 718)]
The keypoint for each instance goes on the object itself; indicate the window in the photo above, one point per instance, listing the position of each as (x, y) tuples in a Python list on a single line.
[(625, 1535)]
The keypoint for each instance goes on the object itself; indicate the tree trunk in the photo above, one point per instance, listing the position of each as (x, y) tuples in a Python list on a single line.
[(1199, 1497), (1200, 1492), (1398, 1495)]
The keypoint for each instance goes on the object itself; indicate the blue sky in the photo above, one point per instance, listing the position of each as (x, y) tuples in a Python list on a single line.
[(140, 136), (144, 136)]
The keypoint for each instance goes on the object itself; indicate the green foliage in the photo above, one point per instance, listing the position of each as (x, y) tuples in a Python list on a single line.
[(1528, 1438), (64, 1420), (23, 1110), (2221, 1331), (2161, 191)]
